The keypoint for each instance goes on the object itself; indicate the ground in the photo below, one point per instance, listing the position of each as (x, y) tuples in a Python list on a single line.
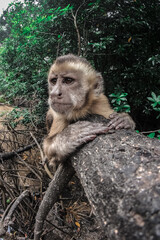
[(3, 110)]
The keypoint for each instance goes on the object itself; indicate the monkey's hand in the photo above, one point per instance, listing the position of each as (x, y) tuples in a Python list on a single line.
[(120, 120), (58, 147)]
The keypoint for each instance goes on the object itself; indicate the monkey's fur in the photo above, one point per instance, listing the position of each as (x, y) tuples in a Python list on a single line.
[(76, 90)]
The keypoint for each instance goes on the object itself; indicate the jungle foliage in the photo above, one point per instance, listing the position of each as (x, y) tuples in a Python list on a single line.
[(120, 38)]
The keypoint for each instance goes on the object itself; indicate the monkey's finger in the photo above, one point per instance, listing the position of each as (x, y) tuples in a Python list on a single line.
[(113, 115), (86, 139), (81, 125), (123, 125), (120, 124), (90, 133), (98, 129), (115, 122)]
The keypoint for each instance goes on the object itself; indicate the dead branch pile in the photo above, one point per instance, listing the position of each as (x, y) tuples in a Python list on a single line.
[(23, 183), (21, 177)]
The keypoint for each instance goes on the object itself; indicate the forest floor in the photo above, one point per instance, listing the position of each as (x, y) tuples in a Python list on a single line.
[(71, 215), (4, 109)]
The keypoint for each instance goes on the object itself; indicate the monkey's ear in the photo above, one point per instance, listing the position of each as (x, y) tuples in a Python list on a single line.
[(98, 88)]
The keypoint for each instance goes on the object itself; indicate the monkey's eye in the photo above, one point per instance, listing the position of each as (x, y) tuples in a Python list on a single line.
[(68, 80), (53, 80)]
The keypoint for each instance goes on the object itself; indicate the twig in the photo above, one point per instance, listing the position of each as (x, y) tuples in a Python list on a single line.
[(151, 131), (42, 157), (6, 217), (6, 156), (8, 187), (32, 170), (62, 176), (58, 46), (53, 227), (38, 145), (77, 29)]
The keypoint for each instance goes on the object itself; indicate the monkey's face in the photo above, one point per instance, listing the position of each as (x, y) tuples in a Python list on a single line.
[(66, 91)]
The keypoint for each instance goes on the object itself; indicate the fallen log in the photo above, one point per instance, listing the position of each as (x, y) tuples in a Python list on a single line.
[(120, 174)]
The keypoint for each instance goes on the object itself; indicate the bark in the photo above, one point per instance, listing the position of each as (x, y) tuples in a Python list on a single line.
[(120, 174), (62, 176)]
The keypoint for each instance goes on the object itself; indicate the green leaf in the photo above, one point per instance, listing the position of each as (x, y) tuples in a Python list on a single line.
[(123, 99), (154, 96), (90, 4), (126, 106), (151, 135), (8, 200), (151, 99), (154, 104), (112, 95), (123, 94)]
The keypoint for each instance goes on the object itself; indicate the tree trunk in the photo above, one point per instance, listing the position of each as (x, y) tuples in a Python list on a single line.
[(120, 174)]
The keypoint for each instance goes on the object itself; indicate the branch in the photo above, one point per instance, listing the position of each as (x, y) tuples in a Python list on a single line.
[(62, 176), (6, 156), (76, 27)]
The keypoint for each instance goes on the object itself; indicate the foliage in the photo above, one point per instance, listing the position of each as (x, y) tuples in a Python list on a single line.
[(154, 134), (27, 53), (120, 38), (23, 117), (119, 101), (155, 102), (2, 99)]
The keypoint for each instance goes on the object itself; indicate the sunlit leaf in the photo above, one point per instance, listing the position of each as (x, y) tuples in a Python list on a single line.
[(77, 224), (129, 39)]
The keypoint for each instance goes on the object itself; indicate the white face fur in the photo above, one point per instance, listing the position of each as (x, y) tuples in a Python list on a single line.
[(66, 90)]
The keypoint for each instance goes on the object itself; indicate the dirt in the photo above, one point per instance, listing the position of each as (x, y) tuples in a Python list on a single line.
[(4, 109)]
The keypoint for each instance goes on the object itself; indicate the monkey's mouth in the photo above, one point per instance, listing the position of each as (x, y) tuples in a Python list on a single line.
[(61, 103), (61, 107)]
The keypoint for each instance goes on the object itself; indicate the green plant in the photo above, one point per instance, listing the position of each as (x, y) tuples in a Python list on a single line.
[(119, 102), (21, 117), (155, 103), (154, 134), (2, 99)]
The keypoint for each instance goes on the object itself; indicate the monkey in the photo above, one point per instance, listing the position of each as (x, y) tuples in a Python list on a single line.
[(76, 90)]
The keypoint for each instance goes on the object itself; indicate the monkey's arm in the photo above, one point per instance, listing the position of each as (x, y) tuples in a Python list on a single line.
[(57, 148), (49, 120)]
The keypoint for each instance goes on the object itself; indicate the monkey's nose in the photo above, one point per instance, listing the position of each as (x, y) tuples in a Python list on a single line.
[(59, 95)]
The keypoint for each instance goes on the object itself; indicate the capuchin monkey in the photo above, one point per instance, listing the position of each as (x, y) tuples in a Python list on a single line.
[(76, 90)]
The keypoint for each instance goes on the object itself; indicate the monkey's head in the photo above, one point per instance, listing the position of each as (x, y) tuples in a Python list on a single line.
[(73, 84)]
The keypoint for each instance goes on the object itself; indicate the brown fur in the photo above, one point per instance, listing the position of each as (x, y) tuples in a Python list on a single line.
[(74, 101), (96, 103)]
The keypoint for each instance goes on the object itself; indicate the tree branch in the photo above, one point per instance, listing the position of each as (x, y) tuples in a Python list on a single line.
[(62, 176), (77, 29), (6, 156)]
